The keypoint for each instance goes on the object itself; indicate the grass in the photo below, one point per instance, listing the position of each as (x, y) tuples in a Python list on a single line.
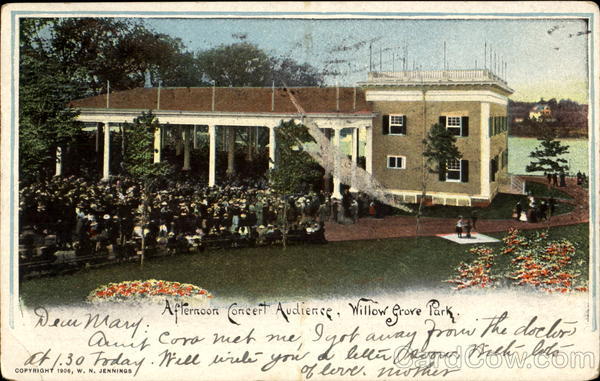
[(334, 269), (542, 190), (500, 208)]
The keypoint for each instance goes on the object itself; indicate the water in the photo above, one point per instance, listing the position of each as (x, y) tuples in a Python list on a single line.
[(519, 149)]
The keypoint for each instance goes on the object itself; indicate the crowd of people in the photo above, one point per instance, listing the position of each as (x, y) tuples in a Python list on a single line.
[(114, 219), (534, 210)]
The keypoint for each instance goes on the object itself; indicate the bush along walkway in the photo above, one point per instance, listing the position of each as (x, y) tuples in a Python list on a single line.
[(405, 226)]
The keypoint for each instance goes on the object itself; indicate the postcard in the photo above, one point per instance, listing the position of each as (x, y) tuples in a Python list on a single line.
[(300, 191)]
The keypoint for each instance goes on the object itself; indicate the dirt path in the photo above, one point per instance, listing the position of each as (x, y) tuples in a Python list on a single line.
[(404, 226)]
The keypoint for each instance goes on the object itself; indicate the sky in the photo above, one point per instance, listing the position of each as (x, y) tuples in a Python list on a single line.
[(544, 57)]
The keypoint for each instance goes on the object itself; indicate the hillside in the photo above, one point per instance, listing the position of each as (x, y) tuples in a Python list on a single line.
[(566, 117)]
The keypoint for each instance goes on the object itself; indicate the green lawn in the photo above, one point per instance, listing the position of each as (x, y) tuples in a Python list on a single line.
[(334, 269), (500, 208), (542, 190)]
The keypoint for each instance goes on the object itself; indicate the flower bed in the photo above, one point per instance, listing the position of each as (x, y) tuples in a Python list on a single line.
[(151, 290), (478, 272), (535, 261)]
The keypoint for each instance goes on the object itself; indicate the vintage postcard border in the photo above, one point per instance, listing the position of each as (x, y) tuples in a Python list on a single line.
[(13, 78)]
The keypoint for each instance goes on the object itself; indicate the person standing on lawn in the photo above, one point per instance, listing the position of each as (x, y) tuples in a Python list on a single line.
[(552, 204), (518, 210), (467, 227), (459, 226), (563, 179), (474, 218)]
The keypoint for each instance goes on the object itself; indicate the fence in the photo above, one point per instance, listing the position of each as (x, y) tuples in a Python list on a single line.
[(435, 76)]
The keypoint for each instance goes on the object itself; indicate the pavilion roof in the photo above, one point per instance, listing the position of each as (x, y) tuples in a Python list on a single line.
[(233, 99)]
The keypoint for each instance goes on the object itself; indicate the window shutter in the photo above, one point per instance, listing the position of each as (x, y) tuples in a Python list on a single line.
[(464, 171), (385, 123), (490, 126), (492, 170), (443, 121), (465, 125), (404, 128), (442, 172)]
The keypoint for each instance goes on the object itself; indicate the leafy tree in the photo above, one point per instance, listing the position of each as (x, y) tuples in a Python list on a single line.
[(245, 64), (45, 120), (291, 73), (120, 51), (139, 149), (547, 155), (439, 147), (239, 64), (138, 161), (295, 170)]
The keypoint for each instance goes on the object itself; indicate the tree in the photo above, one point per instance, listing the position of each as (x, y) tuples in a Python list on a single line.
[(119, 51), (45, 120), (244, 64), (138, 161), (291, 73), (439, 147), (295, 170), (239, 64), (547, 155)]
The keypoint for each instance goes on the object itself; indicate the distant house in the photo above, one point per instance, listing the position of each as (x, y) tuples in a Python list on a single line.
[(538, 111)]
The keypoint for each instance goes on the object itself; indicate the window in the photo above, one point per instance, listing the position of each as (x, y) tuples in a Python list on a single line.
[(493, 168), (453, 124), (394, 124), (497, 125), (457, 125), (396, 162), (397, 125), (453, 170)]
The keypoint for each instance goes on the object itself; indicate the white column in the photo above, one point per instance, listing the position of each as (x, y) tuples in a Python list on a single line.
[(186, 148), (250, 146), (195, 137), (157, 145), (485, 150), (230, 150), (106, 163), (212, 155), (97, 138), (272, 147), (369, 150), (178, 141), (336, 164), (354, 159), (58, 171)]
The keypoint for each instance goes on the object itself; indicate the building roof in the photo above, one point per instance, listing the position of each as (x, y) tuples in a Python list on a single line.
[(437, 78), (233, 99)]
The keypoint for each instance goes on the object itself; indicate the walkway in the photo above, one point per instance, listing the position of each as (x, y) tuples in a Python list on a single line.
[(405, 226)]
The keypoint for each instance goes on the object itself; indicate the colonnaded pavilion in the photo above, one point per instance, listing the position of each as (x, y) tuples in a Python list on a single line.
[(390, 113)]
